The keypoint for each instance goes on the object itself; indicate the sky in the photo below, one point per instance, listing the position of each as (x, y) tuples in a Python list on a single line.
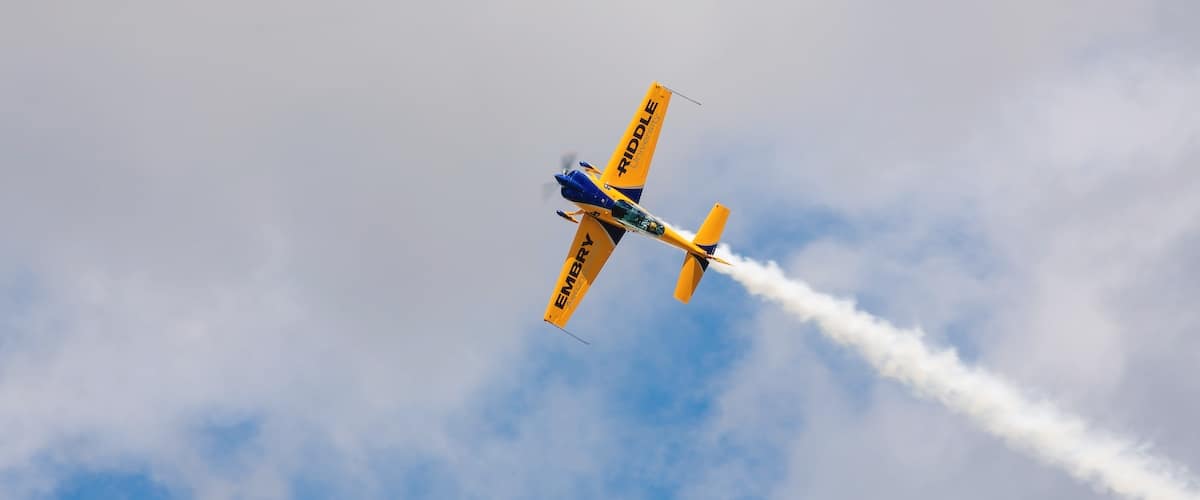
[(272, 249)]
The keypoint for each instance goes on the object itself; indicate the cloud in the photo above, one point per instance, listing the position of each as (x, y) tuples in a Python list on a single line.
[(1114, 464), (324, 221), (1070, 209)]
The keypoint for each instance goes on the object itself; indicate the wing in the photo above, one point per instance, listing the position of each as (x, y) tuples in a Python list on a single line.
[(630, 162), (594, 242)]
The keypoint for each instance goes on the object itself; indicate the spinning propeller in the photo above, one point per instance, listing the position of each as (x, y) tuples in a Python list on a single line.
[(568, 164)]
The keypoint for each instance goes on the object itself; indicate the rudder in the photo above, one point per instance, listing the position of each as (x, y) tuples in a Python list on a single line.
[(695, 265)]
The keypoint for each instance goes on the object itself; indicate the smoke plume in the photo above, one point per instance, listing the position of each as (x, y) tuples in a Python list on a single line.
[(1108, 462)]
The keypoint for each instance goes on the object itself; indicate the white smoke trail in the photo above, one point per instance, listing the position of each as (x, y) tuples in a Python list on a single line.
[(1053, 436)]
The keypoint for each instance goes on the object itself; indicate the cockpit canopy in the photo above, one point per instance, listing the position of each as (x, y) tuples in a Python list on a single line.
[(636, 218)]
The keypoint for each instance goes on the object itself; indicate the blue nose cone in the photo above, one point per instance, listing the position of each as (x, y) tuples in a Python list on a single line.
[(566, 181)]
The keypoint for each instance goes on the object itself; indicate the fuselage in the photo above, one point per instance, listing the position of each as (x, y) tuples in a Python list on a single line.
[(614, 207)]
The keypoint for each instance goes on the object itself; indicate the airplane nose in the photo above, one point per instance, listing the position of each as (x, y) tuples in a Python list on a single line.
[(563, 180)]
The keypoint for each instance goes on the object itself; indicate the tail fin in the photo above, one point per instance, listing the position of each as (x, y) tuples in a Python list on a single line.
[(694, 265)]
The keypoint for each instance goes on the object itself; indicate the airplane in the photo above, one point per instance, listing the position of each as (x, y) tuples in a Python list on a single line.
[(608, 208)]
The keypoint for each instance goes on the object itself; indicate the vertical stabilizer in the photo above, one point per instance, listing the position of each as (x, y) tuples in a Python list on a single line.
[(694, 265)]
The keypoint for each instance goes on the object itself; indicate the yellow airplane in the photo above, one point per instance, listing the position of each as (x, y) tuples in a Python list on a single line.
[(608, 207)]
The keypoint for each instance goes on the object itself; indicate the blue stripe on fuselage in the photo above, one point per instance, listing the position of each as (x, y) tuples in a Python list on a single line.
[(613, 231), (634, 194)]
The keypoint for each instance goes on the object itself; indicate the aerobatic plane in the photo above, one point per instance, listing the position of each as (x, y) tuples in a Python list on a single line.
[(608, 208)]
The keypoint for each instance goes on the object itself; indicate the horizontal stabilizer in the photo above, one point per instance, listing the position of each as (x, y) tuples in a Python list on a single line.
[(694, 265)]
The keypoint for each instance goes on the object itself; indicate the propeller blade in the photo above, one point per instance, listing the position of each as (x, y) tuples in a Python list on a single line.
[(568, 162), (548, 190)]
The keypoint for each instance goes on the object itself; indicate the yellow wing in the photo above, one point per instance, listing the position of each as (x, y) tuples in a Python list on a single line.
[(594, 242), (631, 161)]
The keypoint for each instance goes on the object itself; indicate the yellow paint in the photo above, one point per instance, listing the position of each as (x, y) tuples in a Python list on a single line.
[(627, 169), (630, 162)]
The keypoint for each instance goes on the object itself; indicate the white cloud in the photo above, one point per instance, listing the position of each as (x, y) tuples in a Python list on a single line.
[(280, 211), (1083, 186)]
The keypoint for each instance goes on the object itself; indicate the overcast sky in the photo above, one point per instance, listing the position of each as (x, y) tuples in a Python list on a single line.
[(298, 249)]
